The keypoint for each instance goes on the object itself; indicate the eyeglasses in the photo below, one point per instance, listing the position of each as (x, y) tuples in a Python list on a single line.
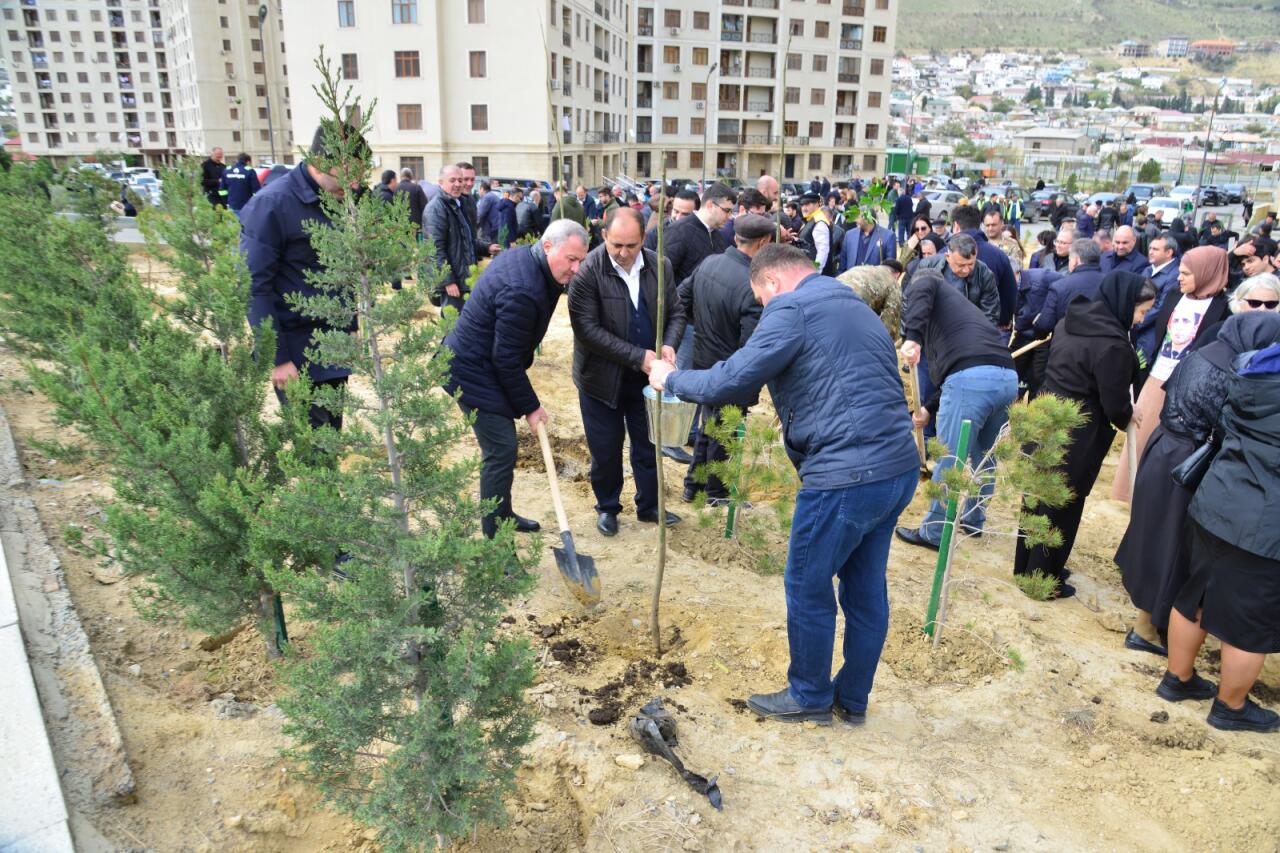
[(1269, 304), (728, 209), (922, 227)]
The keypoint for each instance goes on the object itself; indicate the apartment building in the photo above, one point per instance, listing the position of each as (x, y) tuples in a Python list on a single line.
[(720, 84), (520, 88), (152, 78)]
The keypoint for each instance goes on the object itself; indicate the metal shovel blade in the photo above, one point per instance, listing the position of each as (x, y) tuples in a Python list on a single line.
[(577, 570)]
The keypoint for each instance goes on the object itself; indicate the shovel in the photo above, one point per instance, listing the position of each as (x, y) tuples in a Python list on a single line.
[(577, 570), (918, 432)]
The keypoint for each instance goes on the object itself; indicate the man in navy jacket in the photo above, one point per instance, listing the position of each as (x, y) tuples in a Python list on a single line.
[(1124, 254), (240, 183), (833, 376), (278, 252), (493, 344)]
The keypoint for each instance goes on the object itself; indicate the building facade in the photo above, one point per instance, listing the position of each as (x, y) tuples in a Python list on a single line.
[(590, 89), (1173, 46)]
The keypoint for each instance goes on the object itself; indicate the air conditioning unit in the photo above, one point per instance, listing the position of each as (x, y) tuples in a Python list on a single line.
[(675, 31), (699, 105), (675, 68)]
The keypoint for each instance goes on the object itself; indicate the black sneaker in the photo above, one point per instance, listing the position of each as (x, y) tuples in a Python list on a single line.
[(1247, 718), (780, 706), (853, 719), (1138, 643), (1173, 689)]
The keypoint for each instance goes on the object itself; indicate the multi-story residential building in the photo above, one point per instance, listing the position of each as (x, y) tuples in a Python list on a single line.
[(512, 86), (744, 74), (618, 86), (1175, 46), (137, 77)]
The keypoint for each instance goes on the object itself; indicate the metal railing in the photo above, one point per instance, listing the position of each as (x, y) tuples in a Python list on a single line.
[(645, 30), (730, 104), (760, 72), (762, 38), (851, 9), (644, 67), (847, 77), (760, 106), (644, 103), (851, 44), (730, 35), (846, 111), (763, 4), (601, 137)]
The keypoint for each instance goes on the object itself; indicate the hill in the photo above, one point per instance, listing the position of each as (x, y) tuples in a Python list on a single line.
[(1078, 24)]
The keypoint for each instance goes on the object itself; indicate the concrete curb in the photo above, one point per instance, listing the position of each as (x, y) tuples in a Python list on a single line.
[(52, 700)]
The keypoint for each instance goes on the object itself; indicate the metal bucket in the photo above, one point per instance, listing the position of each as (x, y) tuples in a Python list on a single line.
[(677, 418)]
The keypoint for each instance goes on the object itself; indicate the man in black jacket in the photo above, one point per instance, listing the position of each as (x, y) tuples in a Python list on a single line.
[(718, 299), (969, 362), (417, 198), (456, 243), (211, 171), (386, 188), (613, 306)]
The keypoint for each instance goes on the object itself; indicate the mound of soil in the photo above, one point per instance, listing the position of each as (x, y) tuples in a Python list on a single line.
[(963, 655)]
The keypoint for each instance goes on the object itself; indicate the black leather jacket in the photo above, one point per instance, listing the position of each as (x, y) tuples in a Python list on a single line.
[(1195, 394)]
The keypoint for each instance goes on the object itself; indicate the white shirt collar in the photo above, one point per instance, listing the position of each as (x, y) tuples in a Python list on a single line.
[(1155, 269), (632, 278)]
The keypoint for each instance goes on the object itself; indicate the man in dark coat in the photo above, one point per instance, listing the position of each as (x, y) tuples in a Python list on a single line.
[(493, 344), (487, 214), (1087, 221), (386, 188), (833, 378), (239, 183), (1162, 253), (718, 300), (417, 198), (613, 306), (456, 245), (211, 171), (869, 244), (903, 211), (278, 253), (1082, 279), (1057, 213), (968, 220), (1123, 255), (961, 268), (508, 228), (924, 207)]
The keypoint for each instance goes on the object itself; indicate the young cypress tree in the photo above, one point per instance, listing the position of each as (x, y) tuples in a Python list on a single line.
[(406, 706)]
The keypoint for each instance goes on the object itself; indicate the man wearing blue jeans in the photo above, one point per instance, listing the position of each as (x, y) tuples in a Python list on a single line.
[(969, 362), (833, 377)]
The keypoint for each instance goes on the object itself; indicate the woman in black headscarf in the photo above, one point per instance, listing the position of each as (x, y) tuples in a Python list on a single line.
[(1092, 362), (1153, 557)]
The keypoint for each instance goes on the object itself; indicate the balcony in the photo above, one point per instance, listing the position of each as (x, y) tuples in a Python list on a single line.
[(644, 102), (760, 106), (567, 88), (732, 2), (729, 138), (844, 141), (847, 77), (568, 137), (116, 20), (730, 104), (851, 44), (644, 67), (599, 96), (731, 71), (131, 125), (760, 72), (846, 111), (645, 30), (40, 61), (566, 38), (602, 54), (763, 4), (762, 38), (644, 136), (600, 137), (35, 40), (730, 35), (853, 11)]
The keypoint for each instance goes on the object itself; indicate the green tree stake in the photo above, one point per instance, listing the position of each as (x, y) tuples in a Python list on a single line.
[(947, 544), (741, 433)]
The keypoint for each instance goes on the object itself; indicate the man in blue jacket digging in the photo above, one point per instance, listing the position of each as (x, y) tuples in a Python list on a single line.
[(833, 375)]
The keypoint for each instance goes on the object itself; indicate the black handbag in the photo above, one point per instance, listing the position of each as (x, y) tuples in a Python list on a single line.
[(1190, 471)]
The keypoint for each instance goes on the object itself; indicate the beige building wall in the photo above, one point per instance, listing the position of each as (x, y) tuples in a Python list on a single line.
[(482, 84)]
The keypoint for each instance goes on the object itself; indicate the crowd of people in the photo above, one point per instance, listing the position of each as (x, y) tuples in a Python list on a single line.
[(1182, 342)]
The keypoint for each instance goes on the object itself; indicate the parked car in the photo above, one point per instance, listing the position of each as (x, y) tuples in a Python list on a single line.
[(1236, 193), (1143, 192), (1040, 206), (148, 188), (1172, 208), (1213, 196), (942, 202)]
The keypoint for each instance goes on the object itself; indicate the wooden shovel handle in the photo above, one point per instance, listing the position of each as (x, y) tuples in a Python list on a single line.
[(550, 464), (918, 432), (1021, 351)]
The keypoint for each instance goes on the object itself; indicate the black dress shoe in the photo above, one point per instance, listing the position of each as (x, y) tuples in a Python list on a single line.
[(852, 719), (651, 517), (526, 525), (690, 495), (1133, 640), (912, 537), (677, 454), (1174, 689), (607, 523), (780, 706)]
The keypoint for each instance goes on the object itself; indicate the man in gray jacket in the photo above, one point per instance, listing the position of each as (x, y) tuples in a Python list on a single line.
[(961, 268)]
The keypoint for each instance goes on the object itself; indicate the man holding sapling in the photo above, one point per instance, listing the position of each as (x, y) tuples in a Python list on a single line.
[(278, 252), (718, 299), (613, 305), (493, 345), (833, 375)]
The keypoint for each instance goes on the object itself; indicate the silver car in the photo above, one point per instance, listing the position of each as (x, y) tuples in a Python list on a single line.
[(942, 202)]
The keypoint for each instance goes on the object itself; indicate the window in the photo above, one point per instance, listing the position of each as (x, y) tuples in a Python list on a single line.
[(407, 64), (872, 132), (815, 162), (882, 4), (478, 62), (815, 130), (869, 163), (222, 22), (695, 159), (873, 99), (697, 126), (671, 159), (350, 67), (404, 11), (82, 76), (817, 97), (409, 116), (793, 62), (698, 91), (821, 29), (797, 27), (671, 54), (670, 125), (481, 163), (235, 114), (671, 18), (819, 62), (479, 117), (702, 20), (879, 34), (671, 91), (414, 163), (877, 67), (475, 11), (793, 95), (346, 13), (700, 56)]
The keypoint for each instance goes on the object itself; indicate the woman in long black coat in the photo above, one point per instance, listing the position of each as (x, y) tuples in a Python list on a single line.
[(1234, 588), (1092, 362), (1153, 558)]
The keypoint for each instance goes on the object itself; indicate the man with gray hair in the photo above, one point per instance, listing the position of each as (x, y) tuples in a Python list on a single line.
[(456, 244), (961, 268), (417, 198), (493, 344), (1084, 275)]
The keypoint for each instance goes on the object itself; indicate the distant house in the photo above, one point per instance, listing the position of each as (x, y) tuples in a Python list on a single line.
[(1210, 47), (1175, 46), (1053, 140), (1129, 47)]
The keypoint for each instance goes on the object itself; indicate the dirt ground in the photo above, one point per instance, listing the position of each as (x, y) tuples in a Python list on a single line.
[(1030, 729)]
